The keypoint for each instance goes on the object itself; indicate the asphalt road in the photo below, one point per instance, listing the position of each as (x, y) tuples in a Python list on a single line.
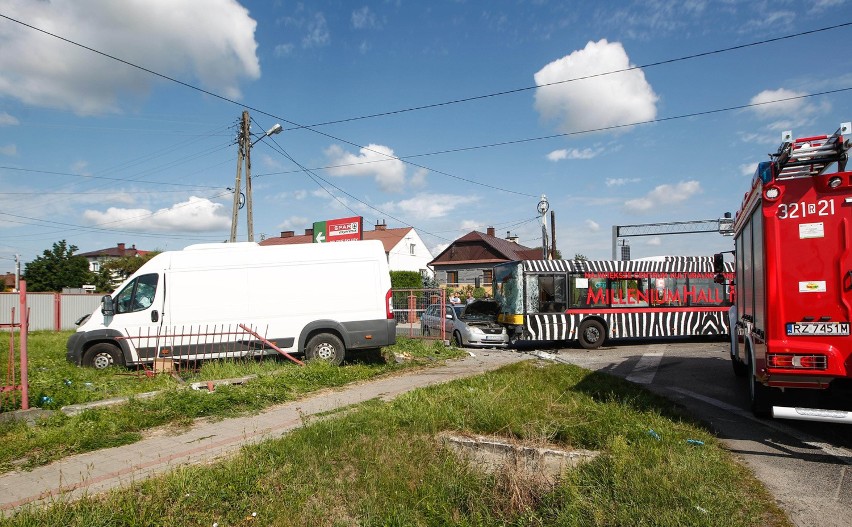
[(806, 465)]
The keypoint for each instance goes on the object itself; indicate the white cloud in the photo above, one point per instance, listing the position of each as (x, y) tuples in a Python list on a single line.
[(364, 19), (428, 206), (574, 153), (418, 179), (8, 120), (283, 50), (617, 182), (318, 34), (9, 150), (193, 215), (747, 169), (295, 223), (470, 225), (374, 160), (598, 102), (654, 242), (210, 42), (591, 225), (767, 108), (663, 196)]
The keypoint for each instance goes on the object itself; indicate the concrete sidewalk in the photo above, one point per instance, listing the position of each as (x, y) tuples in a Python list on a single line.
[(102, 470)]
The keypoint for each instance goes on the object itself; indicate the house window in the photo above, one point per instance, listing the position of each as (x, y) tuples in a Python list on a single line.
[(452, 277), (411, 249), (487, 277), (96, 266)]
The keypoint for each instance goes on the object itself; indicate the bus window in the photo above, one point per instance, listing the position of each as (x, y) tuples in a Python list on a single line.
[(705, 292), (631, 292), (507, 289), (587, 292), (551, 293)]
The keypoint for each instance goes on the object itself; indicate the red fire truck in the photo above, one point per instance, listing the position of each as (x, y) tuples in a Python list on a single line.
[(793, 284)]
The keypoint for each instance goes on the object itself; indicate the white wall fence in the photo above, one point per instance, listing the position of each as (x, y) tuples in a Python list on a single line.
[(49, 311)]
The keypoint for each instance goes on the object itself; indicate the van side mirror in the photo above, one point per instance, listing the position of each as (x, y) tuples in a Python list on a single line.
[(108, 309), (718, 263)]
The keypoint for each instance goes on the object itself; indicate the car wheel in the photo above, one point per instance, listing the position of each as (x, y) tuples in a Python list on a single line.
[(102, 356), (327, 347), (591, 334), (457, 340), (425, 330)]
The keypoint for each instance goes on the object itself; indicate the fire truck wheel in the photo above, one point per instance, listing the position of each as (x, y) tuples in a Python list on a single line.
[(760, 395), (591, 334), (101, 356), (741, 369), (327, 347)]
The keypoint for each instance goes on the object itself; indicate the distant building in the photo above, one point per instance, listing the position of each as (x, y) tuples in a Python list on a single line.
[(404, 248), (98, 258), (470, 260)]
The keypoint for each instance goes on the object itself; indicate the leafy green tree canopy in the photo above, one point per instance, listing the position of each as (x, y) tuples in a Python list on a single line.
[(57, 268)]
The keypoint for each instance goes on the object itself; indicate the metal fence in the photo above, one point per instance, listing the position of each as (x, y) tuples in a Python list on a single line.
[(409, 306), (50, 311)]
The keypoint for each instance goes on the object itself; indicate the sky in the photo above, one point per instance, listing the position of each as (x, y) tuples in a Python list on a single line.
[(118, 120)]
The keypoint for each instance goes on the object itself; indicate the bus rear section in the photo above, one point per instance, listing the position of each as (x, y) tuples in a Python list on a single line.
[(793, 250), (589, 301)]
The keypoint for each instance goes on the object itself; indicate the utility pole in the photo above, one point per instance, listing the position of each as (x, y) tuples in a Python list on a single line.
[(552, 235), (243, 139), (17, 272), (244, 144), (542, 208)]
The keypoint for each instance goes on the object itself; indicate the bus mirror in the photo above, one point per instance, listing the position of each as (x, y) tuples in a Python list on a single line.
[(719, 279), (718, 263), (108, 309)]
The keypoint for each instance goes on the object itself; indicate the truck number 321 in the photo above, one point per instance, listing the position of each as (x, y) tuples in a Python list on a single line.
[(802, 209)]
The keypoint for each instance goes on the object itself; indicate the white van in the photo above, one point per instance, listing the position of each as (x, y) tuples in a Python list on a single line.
[(319, 300)]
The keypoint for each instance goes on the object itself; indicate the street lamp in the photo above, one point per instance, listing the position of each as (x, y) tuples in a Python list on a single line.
[(277, 129)]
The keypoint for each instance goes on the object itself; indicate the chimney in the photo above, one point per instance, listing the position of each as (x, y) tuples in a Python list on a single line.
[(381, 226), (309, 232), (513, 239), (121, 249), (287, 234), (490, 231)]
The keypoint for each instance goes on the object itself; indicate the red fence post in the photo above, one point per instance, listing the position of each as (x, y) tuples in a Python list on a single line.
[(57, 312), (24, 316)]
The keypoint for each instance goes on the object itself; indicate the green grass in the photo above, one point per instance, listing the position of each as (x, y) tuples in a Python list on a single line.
[(381, 464), (278, 380)]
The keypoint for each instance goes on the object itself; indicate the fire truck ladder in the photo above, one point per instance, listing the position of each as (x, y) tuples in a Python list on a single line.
[(811, 156)]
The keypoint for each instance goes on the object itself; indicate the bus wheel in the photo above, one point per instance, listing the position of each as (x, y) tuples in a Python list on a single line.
[(101, 356), (591, 334), (327, 347)]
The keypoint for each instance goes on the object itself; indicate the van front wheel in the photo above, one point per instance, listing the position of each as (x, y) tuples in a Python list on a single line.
[(101, 356), (327, 347)]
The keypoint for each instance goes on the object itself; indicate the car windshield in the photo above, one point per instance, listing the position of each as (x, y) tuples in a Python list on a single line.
[(459, 310)]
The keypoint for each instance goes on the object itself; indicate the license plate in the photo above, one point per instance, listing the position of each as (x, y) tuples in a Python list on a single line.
[(818, 328), (493, 337)]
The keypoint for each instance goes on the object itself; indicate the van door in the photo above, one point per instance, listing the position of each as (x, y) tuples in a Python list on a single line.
[(138, 316)]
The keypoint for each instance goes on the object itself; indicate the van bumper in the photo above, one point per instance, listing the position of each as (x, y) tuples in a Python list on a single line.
[(74, 348), (367, 334)]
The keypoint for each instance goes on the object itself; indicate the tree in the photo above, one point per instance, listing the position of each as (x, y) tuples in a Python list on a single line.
[(57, 268), (115, 271), (579, 256)]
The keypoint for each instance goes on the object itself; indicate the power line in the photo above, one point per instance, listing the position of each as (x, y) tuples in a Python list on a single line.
[(584, 77)]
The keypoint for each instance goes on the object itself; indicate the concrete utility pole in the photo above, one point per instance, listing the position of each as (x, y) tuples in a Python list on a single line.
[(243, 145), (553, 235)]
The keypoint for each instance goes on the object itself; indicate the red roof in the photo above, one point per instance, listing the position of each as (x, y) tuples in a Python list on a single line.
[(389, 238), (119, 251), (478, 247)]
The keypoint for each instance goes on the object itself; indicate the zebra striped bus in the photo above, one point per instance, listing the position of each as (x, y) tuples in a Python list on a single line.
[(592, 300)]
